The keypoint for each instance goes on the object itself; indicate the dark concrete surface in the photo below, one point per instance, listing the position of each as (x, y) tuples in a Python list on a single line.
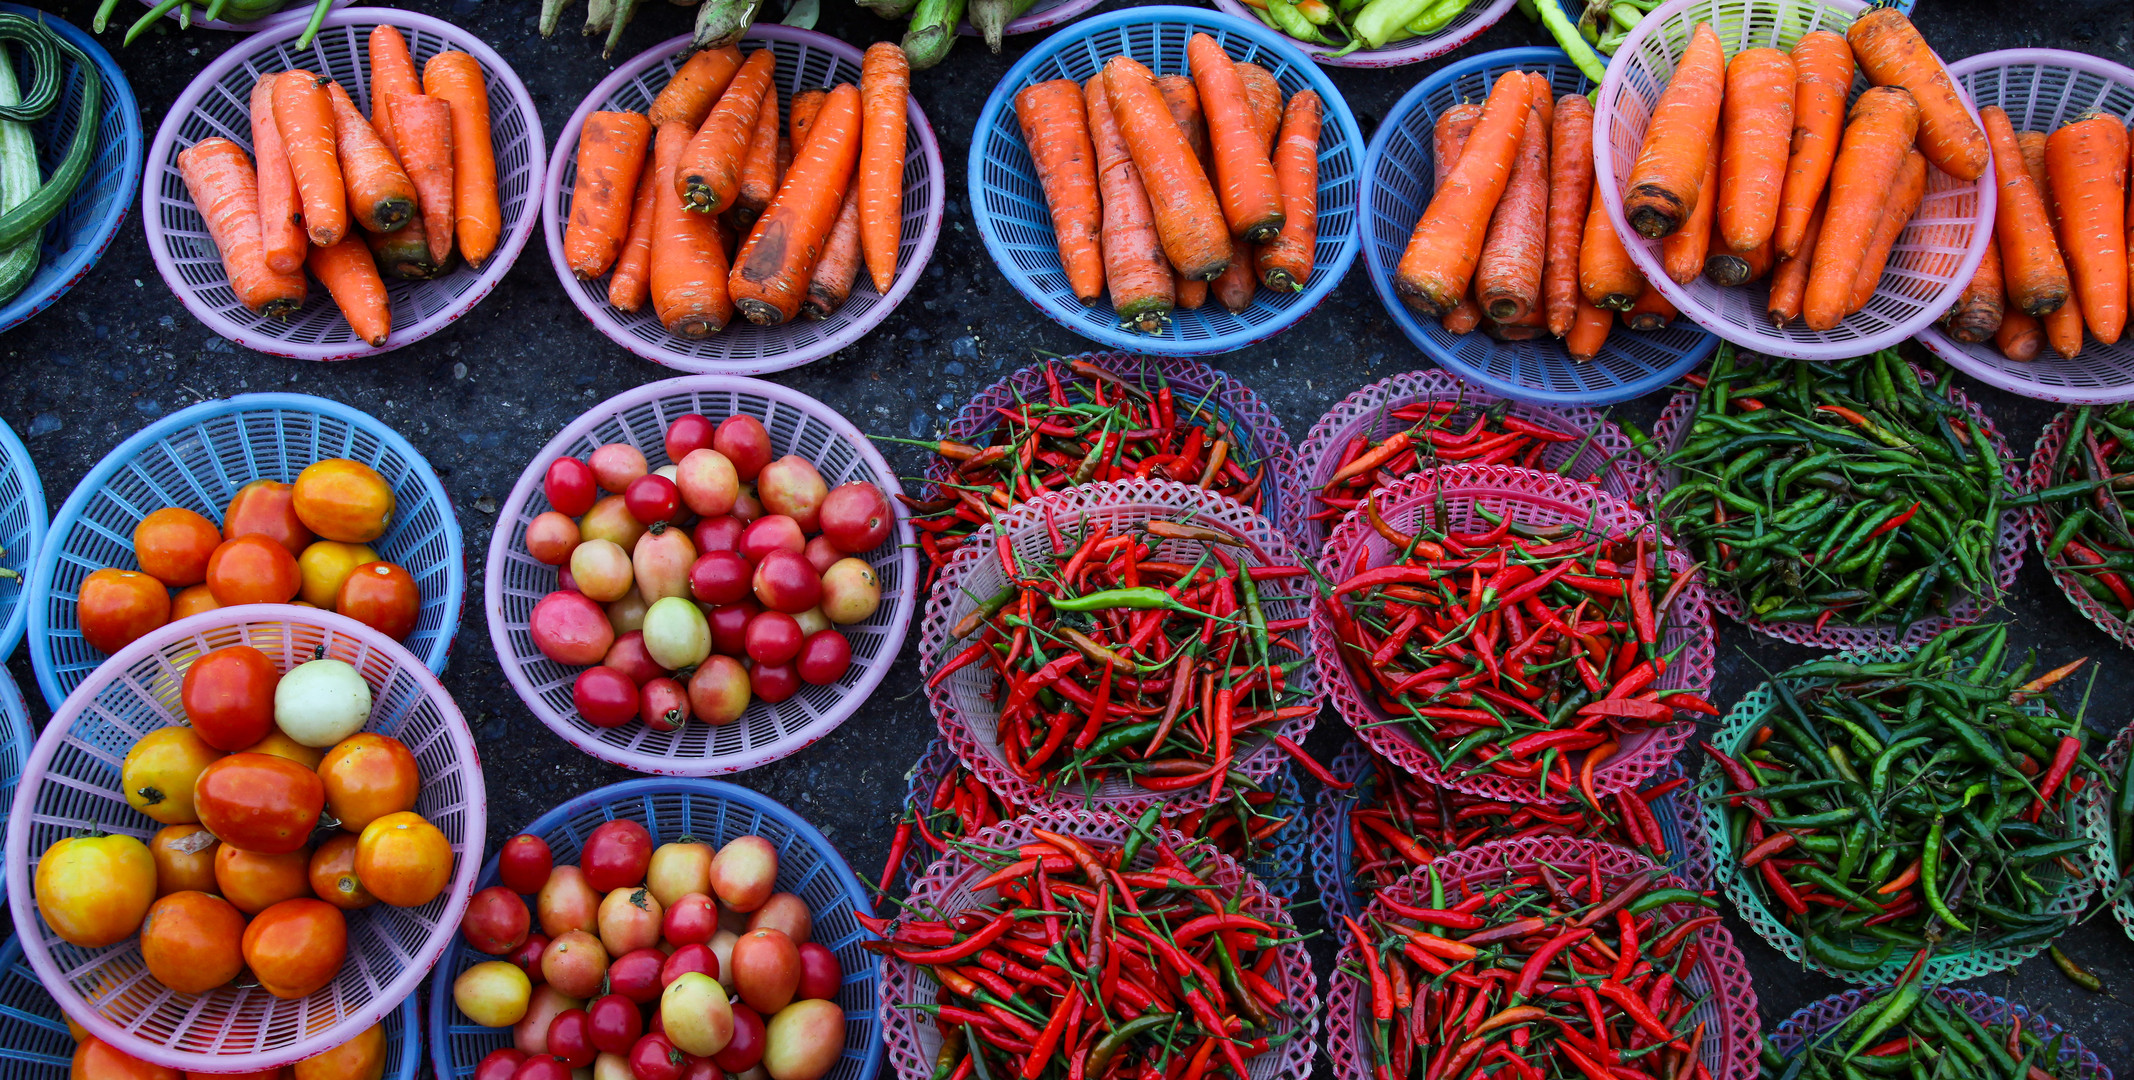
[(481, 397)]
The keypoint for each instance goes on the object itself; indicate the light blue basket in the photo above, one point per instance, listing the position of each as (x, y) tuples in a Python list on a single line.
[(76, 238), (1009, 206), (197, 458), (1399, 173), (15, 739), (714, 812), (22, 529)]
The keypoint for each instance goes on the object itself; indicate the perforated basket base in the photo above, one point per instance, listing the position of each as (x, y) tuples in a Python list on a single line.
[(2038, 477), (22, 533), (1463, 28), (1817, 1017)]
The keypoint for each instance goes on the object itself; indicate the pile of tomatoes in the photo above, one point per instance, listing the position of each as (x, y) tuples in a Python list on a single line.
[(695, 587), (280, 814), (360, 1058), (305, 543), (674, 963)]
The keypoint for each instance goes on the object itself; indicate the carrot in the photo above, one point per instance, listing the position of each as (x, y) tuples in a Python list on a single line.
[(1589, 331), (2031, 268), (1189, 219), (1244, 176), (351, 277), (1898, 206), (1055, 125), (759, 164), (1789, 279), (1570, 192), (1877, 137), (830, 283), (2063, 325), (1136, 274), (223, 187), (392, 71), (785, 156), (885, 86), (1512, 331), (686, 273), (1264, 95), (1285, 263), (611, 155), (2130, 215), (1192, 292), (709, 175), (1544, 99), (380, 195), (281, 231), (426, 124), (1891, 53), (1439, 263), (303, 117), (2020, 337), (1463, 318), (1183, 99), (1739, 268), (629, 284), (1233, 287), (1977, 313), (1683, 253), (1606, 276), (805, 105), (687, 97), (476, 216), (2086, 173), (1684, 127), (771, 274), (1449, 138), (1649, 312), (1757, 116), (1507, 281), (404, 253), (1822, 64)]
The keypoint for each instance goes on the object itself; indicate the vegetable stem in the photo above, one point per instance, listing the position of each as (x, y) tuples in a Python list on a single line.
[(1570, 40)]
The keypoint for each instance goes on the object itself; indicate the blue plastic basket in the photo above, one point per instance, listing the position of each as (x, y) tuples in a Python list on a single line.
[(714, 812), (197, 458), (15, 739), (1009, 206), (76, 238), (1399, 175), (22, 528)]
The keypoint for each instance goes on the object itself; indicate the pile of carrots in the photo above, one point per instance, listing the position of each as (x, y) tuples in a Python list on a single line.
[(354, 199), (1163, 189), (734, 211)]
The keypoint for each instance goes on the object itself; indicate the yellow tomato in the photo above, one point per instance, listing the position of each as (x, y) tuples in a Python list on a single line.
[(360, 1058), (279, 744), (343, 500), (94, 890), (403, 859), (325, 565), (159, 773)]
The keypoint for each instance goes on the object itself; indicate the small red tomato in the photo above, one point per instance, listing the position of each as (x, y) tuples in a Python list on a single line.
[(820, 973), (745, 1048), (527, 957), (821, 554), (824, 658), (856, 517), (690, 920), (525, 863), (729, 624), (543, 1067), (628, 656), (616, 855), (259, 802), (663, 704), (570, 1038), (551, 538), (615, 1024), (774, 683), (652, 498), (655, 1058), (785, 582), (745, 442), (772, 638), (688, 432), (686, 959), (496, 921), (771, 532), (605, 697), (500, 1064), (719, 577), (229, 697), (570, 487), (382, 596), (722, 533), (635, 975), (702, 1069)]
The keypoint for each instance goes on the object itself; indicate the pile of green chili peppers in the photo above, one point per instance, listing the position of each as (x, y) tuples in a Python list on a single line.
[(1914, 1032), (1350, 25), (1852, 495), (2088, 535)]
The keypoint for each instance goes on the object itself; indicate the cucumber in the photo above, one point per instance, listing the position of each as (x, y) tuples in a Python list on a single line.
[(18, 180)]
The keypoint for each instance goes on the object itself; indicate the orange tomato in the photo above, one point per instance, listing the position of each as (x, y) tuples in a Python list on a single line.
[(403, 859), (192, 600), (192, 942), (296, 947), (267, 507), (368, 776), (173, 545), (325, 565), (360, 1058), (344, 500), (259, 802), (381, 596), (254, 882), (95, 1059), (253, 569), (228, 696), (117, 606), (333, 874), (185, 859), (279, 744)]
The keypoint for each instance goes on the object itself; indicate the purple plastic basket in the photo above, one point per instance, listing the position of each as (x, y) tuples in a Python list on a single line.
[(798, 424), (1531, 498), (1464, 28), (217, 103), (1043, 15), (1817, 1017), (2042, 89), (946, 889), (805, 59), (299, 11), (70, 784), (2038, 478), (1726, 999), (1935, 256)]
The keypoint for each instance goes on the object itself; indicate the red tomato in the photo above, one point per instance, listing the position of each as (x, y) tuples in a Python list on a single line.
[(190, 942), (228, 697), (722, 533), (267, 507), (824, 658), (570, 1038), (772, 637), (254, 882), (496, 921), (651, 498), (296, 947), (774, 683), (729, 626), (259, 802), (382, 596), (689, 431), (745, 1048), (605, 697), (253, 569), (856, 517), (616, 855), (117, 606), (569, 486), (636, 975), (543, 1067), (525, 863), (686, 959), (527, 957), (500, 1064), (95, 1059), (173, 545), (615, 1024), (655, 1058), (333, 874)]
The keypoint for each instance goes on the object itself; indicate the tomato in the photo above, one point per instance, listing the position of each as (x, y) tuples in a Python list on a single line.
[(655, 1058), (254, 882), (616, 855), (267, 507), (95, 1059), (116, 607), (191, 601), (496, 921), (332, 874), (856, 517), (570, 486), (686, 959), (404, 860), (527, 957), (719, 533), (296, 947), (277, 743), (501, 1064), (320, 702), (543, 1067), (719, 577), (492, 994), (820, 972), (550, 538), (253, 569), (193, 942), (605, 697), (772, 637), (745, 442), (825, 656), (382, 596), (771, 532), (173, 544), (628, 656), (689, 431), (524, 863), (323, 566), (228, 697), (729, 626), (783, 582), (259, 802), (343, 500), (185, 859), (94, 890), (719, 691), (368, 776), (360, 1058), (570, 1038), (614, 1023), (615, 465), (653, 498), (160, 771), (773, 683), (636, 975), (745, 1049)]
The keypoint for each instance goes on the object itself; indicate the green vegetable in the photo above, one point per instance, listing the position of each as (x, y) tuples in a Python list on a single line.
[(932, 32), (722, 22), (1378, 20), (1570, 40), (25, 221)]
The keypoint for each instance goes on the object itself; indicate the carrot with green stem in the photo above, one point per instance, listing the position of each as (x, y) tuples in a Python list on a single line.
[(282, 239), (1901, 202), (771, 274), (303, 117), (629, 285), (2063, 325), (610, 159), (1976, 316), (1607, 277), (1136, 274), (1684, 131), (1757, 118), (690, 92), (1891, 53), (426, 123), (1570, 193), (1507, 282), (1055, 126), (708, 178), (1684, 251), (1438, 265), (380, 196), (1878, 136), (1189, 218), (1264, 95), (1823, 70), (686, 273), (1285, 263), (2086, 173), (477, 214), (885, 91), (392, 71), (759, 164), (1244, 176), (350, 275), (225, 190), (1789, 279), (2032, 272)]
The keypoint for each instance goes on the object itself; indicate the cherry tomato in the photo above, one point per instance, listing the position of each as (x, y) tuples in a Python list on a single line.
[(690, 920), (382, 596), (729, 626), (722, 533), (368, 776), (333, 874), (635, 975), (719, 577), (343, 500), (663, 704), (614, 1024), (688, 432), (629, 656), (228, 696), (655, 1058), (117, 606), (825, 656), (785, 582), (500, 1064), (527, 957), (701, 1069), (856, 517), (605, 697), (686, 959), (185, 859), (745, 1048), (95, 1059), (543, 1067), (173, 545), (296, 947), (255, 882), (267, 507), (253, 569), (774, 683), (615, 465), (496, 921), (569, 486), (652, 498), (191, 601), (820, 972), (192, 942), (259, 803), (771, 532), (524, 864), (551, 537), (616, 855), (745, 442), (570, 1038), (772, 637), (821, 554), (403, 859)]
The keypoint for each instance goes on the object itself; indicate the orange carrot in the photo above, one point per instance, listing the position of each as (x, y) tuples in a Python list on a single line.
[(1739, 268), (1757, 117), (687, 270), (1891, 53), (687, 97), (1449, 137), (1683, 131), (806, 104), (1192, 292), (477, 218), (1589, 331), (1544, 99), (426, 123), (1244, 176), (224, 189), (2020, 336), (771, 274), (611, 155), (1876, 139), (2086, 171), (351, 277), (785, 156), (1189, 219), (1977, 313), (281, 230), (380, 195), (2032, 271), (759, 164), (2063, 325), (1606, 276), (1183, 99), (1823, 69), (403, 254), (1899, 205), (1285, 263), (1570, 193), (1463, 318), (885, 87), (1136, 274), (1234, 286), (1439, 263), (1264, 95), (1507, 281), (1683, 253), (709, 175), (1789, 279), (1055, 126), (303, 117), (1519, 331), (2130, 215), (392, 71), (629, 286), (1649, 312), (830, 283)]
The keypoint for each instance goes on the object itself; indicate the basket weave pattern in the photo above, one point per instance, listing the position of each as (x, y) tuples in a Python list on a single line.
[(2039, 477), (22, 532), (1817, 1017)]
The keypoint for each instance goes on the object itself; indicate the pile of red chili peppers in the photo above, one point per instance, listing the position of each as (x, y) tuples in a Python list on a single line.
[(2089, 534), (1564, 971), (1099, 963), (1440, 433)]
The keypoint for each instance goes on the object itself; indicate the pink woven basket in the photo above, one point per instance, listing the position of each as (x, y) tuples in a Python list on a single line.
[(1607, 454), (964, 704), (71, 784), (946, 889), (798, 424), (1733, 1035), (1464, 28), (805, 59), (1530, 498), (2098, 824), (216, 103), (1817, 1017), (2037, 478)]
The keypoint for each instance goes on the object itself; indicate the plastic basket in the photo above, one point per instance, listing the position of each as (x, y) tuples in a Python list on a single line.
[(946, 889), (2038, 478), (805, 59), (964, 704), (1399, 180), (1726, 999), (71, 781), (2041, 89), (22, 530), (1043, 15), (216, 103), (299, 10), (197, 458), (713, 812), (2097, 823), (1954, 962), (76, 237), (1672, 428), (1009, 206), (15, 739), (1464, 28), (1934, 258), (514, 583), (1608, 454), (1530, 498), (1817, 1017)]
